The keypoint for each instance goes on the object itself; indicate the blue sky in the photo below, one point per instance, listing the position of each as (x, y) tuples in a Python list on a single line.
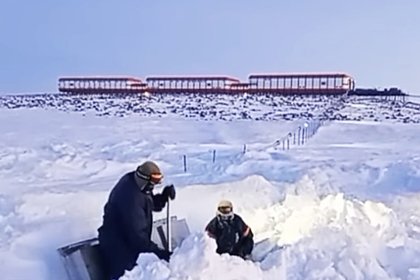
[(378, 42)]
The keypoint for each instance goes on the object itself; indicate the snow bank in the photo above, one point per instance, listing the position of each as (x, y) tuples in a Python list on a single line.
[(310, 237), (196, 259)]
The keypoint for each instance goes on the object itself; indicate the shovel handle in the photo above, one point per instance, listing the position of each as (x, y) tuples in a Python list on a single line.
[(168, 227)]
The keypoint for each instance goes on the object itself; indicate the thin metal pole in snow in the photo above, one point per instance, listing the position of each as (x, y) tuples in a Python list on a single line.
[(303, 136), (298, 138)]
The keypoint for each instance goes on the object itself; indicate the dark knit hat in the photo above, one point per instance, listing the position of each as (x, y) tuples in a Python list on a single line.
[(150, 172)]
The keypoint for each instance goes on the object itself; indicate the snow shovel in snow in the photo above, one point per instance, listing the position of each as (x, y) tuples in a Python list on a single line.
[(176, 230), (83, 260)]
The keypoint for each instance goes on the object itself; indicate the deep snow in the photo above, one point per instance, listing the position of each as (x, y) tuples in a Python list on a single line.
[(342, 206)]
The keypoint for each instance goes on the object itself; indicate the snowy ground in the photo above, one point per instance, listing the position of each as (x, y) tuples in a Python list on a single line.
[(343, 206), (228, 107)]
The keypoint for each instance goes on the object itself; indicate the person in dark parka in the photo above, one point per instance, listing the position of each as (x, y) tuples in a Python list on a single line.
[(232, 235), (128, 219)]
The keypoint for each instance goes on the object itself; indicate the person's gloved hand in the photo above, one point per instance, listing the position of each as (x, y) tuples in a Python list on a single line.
[(169, 192), (163, 255)]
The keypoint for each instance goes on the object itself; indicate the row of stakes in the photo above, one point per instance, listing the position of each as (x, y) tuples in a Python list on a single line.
[(298, 137)]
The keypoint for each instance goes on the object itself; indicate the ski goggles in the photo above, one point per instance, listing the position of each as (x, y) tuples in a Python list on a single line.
[(155, 178), (225, 209)]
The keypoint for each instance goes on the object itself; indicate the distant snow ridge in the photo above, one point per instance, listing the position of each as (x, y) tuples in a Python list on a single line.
[(226, 107)]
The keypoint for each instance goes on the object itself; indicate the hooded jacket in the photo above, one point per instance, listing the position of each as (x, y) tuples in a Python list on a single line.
[(127, 225), (232, 235)]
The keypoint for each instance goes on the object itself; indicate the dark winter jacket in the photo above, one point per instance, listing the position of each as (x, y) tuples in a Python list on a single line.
[(127, 225), (232, 235)]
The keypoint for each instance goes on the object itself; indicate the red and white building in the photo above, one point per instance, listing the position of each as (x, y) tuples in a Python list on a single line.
[(301, 83), (273, 83), (190, 84), (100, 84)]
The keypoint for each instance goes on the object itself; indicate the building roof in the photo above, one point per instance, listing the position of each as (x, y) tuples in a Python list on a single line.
[(193, 78), (100, 78), (300, 75)]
